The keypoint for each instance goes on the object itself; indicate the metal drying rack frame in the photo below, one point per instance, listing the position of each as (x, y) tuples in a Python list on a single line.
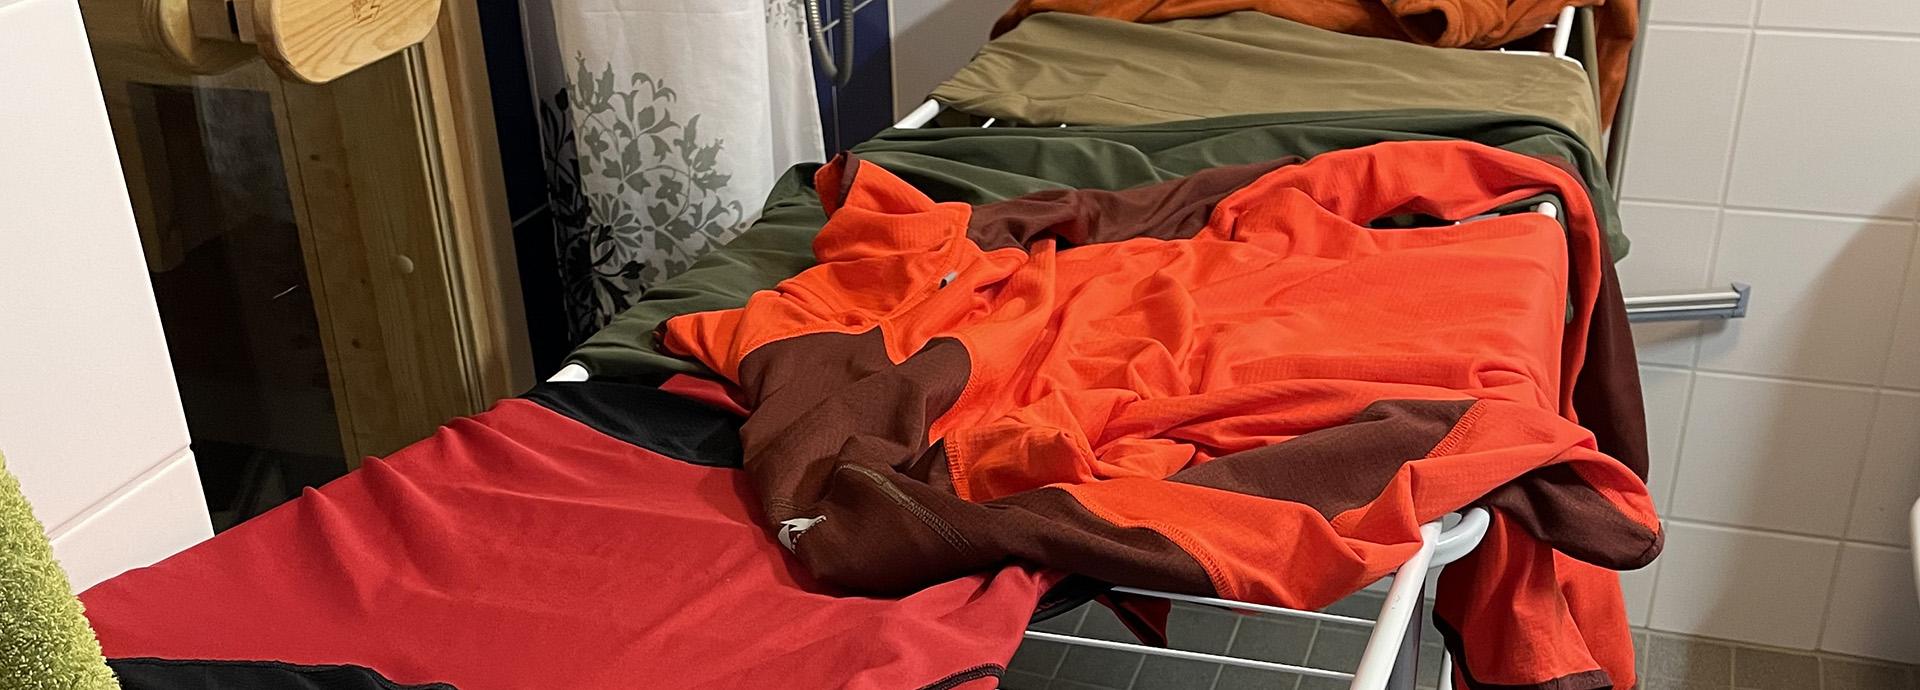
[(1391, 655)]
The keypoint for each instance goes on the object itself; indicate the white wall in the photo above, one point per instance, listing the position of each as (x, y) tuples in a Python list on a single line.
[(932, 39), (1777, 142), (90, 420)]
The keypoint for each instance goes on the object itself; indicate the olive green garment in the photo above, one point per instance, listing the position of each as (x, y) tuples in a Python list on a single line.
[(1057, 67), (984, 165)]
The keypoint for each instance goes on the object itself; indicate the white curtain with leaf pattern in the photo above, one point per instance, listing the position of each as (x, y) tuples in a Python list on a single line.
[(677, 117)]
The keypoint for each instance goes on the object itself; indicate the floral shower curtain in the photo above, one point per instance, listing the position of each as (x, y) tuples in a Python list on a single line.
[(675, 119)]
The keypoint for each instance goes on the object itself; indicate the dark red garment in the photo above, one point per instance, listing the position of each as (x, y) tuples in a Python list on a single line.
[(522, 549)]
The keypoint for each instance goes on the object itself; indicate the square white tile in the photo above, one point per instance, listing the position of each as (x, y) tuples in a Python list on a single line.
[(1890, 479), (1825, 295), (1683, 113), (1665, 392), (1636, 587), (1672, 247), (1770, 454), (1743, 585), (1729, 12), (1903, 360), (1672, 343), (1794, 152), (1874, 612), (1902, 16)]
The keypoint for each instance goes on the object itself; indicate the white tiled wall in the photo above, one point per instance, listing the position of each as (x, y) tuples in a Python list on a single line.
[(1777, 142)]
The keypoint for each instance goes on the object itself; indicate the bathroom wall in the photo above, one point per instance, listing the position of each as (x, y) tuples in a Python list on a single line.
[(1777, 142), (90, 421), (932, 39)]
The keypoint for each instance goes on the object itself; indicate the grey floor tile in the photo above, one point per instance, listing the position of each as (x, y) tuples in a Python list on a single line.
[(1061, 684), (1016, 680), (1429, 675), (1765, 669), (1065, 623), (1283, 640), (1161, 673), (1640, 652), (1238, 678), (1200, 628), (1103, 667), (1675, 684), (1842, 674), (1038, 657), (1101, 624), (1672, 657), (1337, 648), (1324, 684), (1429, 634), (1361, 604)]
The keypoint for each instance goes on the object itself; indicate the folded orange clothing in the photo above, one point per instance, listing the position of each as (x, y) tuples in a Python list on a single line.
[(1443, 23), (1228, 384)]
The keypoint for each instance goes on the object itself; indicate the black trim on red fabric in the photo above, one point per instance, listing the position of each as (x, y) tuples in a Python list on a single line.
[(647, 417), (145, 673), (966, 676), (1067, 595)]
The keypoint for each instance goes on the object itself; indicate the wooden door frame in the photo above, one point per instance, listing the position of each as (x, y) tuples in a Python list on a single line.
[(462, 108)]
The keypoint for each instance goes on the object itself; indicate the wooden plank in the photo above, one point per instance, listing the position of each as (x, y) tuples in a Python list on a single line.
[(317, 41)]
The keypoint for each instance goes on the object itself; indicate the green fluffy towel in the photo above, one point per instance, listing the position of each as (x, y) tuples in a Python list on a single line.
[(44, 640)]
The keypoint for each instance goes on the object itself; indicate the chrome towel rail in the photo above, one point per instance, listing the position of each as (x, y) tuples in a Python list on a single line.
[(1691, 306)]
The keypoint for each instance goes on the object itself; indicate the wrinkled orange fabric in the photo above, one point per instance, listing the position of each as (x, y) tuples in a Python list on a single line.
[(1443, 23), (1103, 370)]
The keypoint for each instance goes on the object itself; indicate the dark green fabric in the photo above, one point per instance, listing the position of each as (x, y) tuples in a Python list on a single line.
[(985, 165)]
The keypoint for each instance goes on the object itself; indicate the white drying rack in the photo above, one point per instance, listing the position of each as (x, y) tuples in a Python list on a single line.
[(1391, 656)]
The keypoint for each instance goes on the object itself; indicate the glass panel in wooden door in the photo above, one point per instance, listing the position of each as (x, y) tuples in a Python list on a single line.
[(295, 236)]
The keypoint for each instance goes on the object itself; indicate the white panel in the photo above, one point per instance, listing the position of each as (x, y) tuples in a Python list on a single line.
[(1859, 15), (1826, 292), (1903, 361), (1730, 12), (1665, 392), (1672, 343), (1829, 124), (1683, 114), (1874, 612), (1636, 586), (1672, 247), (1771, 454), (1741, 585), (124, 534), (932, 39), (1890, 479), (89, 395)]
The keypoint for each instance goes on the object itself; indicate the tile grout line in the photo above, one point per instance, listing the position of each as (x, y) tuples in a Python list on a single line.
[(1753, 25), (1848, 386), (1767, 531), (1231, 637), (1726, 191), (1694, 205)]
